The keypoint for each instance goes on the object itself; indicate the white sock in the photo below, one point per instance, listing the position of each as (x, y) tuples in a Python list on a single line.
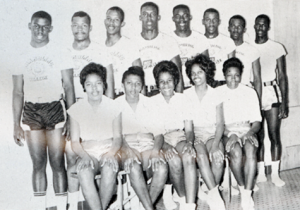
[(275, 174), (214, 199), (261, 177), (38, 203), (61, 199), (168, 198), (190, 206), (246, 198), (73, 200)]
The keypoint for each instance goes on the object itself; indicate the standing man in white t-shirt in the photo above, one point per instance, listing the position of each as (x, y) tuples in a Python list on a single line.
[(248, 54), (83, 52), (123, 51), (274, 96), (221, 47), (155, 46), (191, 43), (39, 113)]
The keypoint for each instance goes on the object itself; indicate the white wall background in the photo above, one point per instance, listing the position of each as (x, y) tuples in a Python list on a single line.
[(15, 163)]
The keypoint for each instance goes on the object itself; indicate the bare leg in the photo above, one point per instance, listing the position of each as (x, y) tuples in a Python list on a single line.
[(56, 146), (36, 141), (107, 184), (190, 174), (73, 182), (250, 165)]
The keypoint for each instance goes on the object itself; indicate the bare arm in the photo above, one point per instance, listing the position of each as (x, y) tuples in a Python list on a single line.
[(17, 105), (68, 85), (283, 85), (257, 77), (110, 82), (177, 61), (232, 54), (117, 135)]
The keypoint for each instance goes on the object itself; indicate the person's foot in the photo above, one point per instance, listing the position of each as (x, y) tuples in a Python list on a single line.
[(255, 188), (201, 194), (261, 178), (168, 198), (247, 202), (189, 206), (214, 200), (277, 180)]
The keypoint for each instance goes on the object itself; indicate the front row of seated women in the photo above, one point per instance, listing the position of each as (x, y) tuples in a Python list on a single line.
[(162, 139)]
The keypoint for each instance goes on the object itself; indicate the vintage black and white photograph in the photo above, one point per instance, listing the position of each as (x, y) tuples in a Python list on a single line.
[(149, 105)]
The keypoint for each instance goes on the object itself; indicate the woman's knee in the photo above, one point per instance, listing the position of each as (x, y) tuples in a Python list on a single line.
[(86, 175), (162, 170), (236, 153), (188, 159), (250, 150), (175, 164)]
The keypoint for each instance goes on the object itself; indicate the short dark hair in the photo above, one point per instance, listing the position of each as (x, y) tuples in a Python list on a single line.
[(208, 66), (134, 70), (93, 68), (181, 6), (119, 10), (82, 14), (150, 4), (166, 66), (212, 10), (263, 16), (238, 17), (233, 62), (42, 14)]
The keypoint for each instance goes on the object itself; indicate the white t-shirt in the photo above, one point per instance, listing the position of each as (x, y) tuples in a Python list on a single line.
[(123, 53), (189, 47), (240, 104), (247, 54), (163, 47), (142, 120), (93, 53), (270, 51), (95, 125), (173, 114), (203, 112), (219, 49), (41, 69)]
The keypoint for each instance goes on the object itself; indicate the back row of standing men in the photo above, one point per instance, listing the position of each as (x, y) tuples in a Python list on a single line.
[(36, 74)]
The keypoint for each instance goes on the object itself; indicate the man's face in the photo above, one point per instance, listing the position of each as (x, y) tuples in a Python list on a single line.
[(236, 29), (81, 28), (261, 27), (182, 19), (149, 18), (113, 22), (40, 29), (211, 22)]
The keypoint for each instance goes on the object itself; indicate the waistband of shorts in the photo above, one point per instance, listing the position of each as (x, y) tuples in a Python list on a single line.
[(200, 128), (240, 123), (41, 99), (270, 83), (43, 102)]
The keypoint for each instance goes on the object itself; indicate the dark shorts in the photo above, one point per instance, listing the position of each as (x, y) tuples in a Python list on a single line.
[(44, 116)]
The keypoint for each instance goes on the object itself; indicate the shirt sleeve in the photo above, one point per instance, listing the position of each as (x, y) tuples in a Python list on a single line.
[(253, 108), (230, 46), (74, 111)]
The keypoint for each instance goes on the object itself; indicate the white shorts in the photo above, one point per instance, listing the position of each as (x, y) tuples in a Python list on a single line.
[(140, 141), (239, 128), (97, 148), (204, 134), (174, 137), (271, 95)]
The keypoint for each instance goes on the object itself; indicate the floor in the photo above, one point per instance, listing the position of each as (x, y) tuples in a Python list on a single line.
[(267, 197)]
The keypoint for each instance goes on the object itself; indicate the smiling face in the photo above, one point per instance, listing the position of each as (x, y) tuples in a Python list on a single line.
[(149, 17), (94, 87), (236, 29), (132, 86), (211, 21), (81, 28), (40, 29), (166, 84), (233, 77), (113, 22), (182, 19), (198, 76)]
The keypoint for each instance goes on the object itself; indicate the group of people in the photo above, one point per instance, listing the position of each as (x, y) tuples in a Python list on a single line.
[(158, 108)]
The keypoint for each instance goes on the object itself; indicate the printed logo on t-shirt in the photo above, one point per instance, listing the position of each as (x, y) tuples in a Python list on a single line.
[(148, 64), (239, 53), (80, 61), (38, 68)]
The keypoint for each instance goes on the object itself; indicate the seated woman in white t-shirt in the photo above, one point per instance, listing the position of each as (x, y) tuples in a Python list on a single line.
[(96, 121), (207, 114), (178, 136), (242, 122), (142, 139)]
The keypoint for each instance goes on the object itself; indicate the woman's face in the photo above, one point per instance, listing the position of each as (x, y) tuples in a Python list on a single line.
[(233, 77), (94, 87), (166, 84), (198, 75), (132, 86)]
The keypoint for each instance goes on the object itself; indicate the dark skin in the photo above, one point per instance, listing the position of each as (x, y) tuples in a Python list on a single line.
[(275, 114)]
